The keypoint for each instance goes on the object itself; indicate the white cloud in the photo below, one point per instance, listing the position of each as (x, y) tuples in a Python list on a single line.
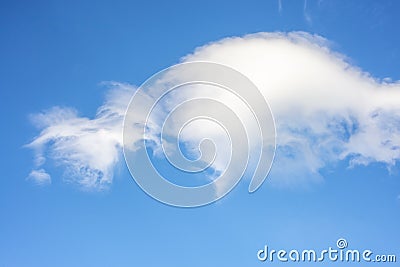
[(325, 111), (40, 177), (88, 148)]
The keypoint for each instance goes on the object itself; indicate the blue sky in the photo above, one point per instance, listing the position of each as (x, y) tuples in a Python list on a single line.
[(58, 53)]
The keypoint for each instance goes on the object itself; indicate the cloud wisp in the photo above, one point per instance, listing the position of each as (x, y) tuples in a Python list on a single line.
[(280, 6), (88, 149), (40, 177), (325, 110)]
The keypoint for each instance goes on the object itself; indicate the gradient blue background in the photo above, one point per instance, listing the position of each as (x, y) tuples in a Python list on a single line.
[(58, 53)]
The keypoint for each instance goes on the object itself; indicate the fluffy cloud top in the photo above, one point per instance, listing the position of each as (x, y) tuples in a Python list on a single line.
[(325, 111)]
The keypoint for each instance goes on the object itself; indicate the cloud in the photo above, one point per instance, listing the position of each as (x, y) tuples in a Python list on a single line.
[(280, 6), (40, 177), (306, 13), (325, 110), (88, 149)]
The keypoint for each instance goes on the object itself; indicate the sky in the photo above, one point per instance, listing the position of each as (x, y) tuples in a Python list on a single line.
[(328, 70)]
